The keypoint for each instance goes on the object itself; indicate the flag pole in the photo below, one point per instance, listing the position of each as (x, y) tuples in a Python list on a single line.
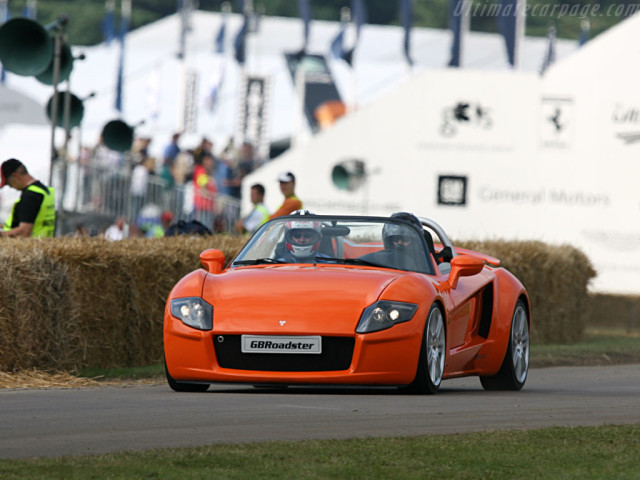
[(520, 33)]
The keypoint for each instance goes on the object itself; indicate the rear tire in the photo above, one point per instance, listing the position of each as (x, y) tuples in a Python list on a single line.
[(432, 355), (515, 366), (184, 386)]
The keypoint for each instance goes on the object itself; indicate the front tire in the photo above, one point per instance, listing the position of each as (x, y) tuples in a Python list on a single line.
[(515, 366), (184, 386), (432, 355)]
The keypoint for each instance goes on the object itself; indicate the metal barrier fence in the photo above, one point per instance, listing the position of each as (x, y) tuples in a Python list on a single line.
[(107, 192)]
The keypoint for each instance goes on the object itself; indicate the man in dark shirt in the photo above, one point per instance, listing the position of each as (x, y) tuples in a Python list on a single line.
[(33, 215)]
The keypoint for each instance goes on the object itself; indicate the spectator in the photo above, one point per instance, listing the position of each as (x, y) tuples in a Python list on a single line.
[(81, 230), (241, 165), (85, 173), (246, 159), (160, 230), (291, 202), (224, 172), (139, 183), (171, 151), (205, 148), (204, 191), (116, 231), (140, 149), (175, 177), (34, 213), (258, 215), (109, 164)]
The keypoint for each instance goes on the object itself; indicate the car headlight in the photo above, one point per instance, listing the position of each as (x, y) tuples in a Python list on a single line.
[(193, 311), (385, 314)]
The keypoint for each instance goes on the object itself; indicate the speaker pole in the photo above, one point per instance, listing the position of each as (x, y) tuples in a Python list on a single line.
[(57, 49), (80, 184), (67, 109), (64, 157)]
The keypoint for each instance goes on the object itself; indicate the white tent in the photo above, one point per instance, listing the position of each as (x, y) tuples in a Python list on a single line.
[(549, 158), (154, 76)]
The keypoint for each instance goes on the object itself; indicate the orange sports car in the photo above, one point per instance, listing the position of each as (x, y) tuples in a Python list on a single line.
[(347, 300)]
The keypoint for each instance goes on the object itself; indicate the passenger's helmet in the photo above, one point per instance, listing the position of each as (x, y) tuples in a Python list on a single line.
[(391, 231), (302, 237)]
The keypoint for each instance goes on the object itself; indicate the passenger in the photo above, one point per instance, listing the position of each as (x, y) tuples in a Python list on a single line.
[(402, 246)]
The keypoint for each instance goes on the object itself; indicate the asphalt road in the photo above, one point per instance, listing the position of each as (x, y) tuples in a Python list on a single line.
[(83, 421)]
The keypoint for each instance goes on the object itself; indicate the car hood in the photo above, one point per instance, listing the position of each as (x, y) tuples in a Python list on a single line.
[(293, 299)]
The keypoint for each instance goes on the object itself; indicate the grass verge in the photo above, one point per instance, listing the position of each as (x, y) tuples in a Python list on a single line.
[(599, 347), (561, 453)]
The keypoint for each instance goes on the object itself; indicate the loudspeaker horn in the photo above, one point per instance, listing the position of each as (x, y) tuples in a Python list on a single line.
[(66, 65), (76, 110), (26, 48), (117, 135), (349, 174)]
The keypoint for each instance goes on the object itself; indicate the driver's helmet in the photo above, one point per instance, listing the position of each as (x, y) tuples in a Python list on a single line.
[(302, 236)]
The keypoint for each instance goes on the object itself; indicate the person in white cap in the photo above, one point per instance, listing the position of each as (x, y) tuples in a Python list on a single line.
[(291, 202)]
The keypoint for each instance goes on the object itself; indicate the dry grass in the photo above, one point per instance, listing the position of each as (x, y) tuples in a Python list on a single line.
[(37, 379), (46, 380)]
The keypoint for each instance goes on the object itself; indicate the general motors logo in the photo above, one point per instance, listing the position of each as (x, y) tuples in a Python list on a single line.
[(452, 190)]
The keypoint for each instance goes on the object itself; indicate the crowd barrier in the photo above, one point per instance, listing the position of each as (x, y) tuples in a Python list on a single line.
[(107, 192)]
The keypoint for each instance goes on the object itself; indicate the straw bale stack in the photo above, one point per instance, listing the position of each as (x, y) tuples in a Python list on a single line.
[(72, 303), (68, 303), (557, 279)]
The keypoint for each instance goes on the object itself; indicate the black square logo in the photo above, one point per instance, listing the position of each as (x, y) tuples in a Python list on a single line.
[(452, 190)]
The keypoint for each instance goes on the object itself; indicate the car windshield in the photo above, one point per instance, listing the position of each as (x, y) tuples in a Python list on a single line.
[(368, 241)]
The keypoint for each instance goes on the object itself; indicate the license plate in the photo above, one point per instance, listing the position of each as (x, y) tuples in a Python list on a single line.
[(281, 344)]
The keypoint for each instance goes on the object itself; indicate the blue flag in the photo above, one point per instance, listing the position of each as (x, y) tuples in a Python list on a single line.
[(359, 15), (585, 28), (124, 28), (30, 9), (219, 41), (458, 23), (305, 14), (109, 22), (240, 42), (337, 45), (4, 16), (508, 26), (406, 13), (550, 54)]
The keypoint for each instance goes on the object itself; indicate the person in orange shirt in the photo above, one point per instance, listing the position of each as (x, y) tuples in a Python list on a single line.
[(291, 202)]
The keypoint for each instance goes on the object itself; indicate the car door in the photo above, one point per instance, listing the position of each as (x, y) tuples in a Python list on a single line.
[(464, 316)]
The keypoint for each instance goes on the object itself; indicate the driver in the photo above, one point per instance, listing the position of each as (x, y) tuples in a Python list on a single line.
[(301, 239)]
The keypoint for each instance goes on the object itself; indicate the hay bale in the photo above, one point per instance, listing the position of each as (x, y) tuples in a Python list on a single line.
[(556, 278), (72, 303)]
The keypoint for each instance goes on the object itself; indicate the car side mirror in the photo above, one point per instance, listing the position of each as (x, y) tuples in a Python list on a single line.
[(464, 266), (212, 260)]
